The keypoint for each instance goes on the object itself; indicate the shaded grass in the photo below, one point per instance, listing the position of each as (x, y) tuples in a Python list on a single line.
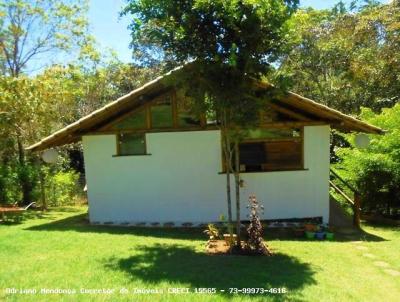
[(59, 249), (181, 264)]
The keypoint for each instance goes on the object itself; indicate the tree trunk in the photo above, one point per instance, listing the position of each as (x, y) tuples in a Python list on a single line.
[(226, 145), (237, 192), (43, 192), (228, 169), (42, 185), (22, 175)]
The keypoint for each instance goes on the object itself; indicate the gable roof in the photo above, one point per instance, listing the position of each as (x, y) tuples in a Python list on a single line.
[(291, 104)]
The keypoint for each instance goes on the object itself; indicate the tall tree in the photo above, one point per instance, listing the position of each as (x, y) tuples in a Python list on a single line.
[(38, 105), (346, 57), (229, 42), (30, 30), (36, 29)]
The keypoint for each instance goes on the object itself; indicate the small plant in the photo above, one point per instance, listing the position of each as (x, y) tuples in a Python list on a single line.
[(212, 232), (255, 243)]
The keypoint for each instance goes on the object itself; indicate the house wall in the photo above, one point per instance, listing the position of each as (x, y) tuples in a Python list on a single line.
[(180, 180)]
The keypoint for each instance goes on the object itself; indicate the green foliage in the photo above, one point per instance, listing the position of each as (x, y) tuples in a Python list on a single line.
[(62, 188), (375, 171), (234, 32), (9, 191), (36, 29), (346, 58), (11, 175), (34, 107), (212, 232), (229, 42)]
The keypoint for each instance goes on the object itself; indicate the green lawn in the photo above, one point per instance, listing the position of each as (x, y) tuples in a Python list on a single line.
[(60, 250)]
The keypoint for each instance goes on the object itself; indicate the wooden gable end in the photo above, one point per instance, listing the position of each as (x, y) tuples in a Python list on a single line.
[(173, 111), (168, 111)]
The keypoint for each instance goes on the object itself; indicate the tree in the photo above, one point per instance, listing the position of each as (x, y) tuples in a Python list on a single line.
[(375, 171), (346, 57), (37, 106), (230, 44), (36, 29), (26, 115), (30, 30)]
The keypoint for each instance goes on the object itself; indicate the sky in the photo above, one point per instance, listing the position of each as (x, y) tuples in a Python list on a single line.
[(111, 31)]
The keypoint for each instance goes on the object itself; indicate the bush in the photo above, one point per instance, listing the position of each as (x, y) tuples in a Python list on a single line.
[(255, 243), (60, 182), (62, 188), (375, 171), (10, 188)]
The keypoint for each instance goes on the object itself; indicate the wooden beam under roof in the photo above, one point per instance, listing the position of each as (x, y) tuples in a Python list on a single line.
[(288, 112)]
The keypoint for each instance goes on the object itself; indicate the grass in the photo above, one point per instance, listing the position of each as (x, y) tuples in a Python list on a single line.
[(58, 249)]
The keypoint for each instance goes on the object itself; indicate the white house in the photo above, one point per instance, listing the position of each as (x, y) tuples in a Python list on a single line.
[(149, 159)]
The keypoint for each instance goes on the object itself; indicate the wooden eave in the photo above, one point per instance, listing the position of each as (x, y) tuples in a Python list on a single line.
[(333, 117), (73, 132), (304, 111)]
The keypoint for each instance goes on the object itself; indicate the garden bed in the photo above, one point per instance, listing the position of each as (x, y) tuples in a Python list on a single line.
[(218, 247)]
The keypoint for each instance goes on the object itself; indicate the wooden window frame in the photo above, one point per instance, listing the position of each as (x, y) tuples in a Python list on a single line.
[(149, 123), (118, 147), (153, 102), (296, 139)]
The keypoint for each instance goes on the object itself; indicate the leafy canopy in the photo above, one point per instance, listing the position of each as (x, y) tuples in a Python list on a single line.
[(39, 29), (33, 107), (245, 32), (375, 171), (229, 43), (226, 41), (346, 58)]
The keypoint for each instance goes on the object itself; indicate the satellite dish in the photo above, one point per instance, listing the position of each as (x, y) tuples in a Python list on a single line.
[(362, 141), (50, 156)]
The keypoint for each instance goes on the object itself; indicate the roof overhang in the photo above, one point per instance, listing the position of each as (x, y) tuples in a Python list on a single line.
[(291, 102)]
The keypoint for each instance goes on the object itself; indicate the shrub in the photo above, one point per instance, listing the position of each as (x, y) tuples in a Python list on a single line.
[(375, 171), (10, 188), (255, 243), (212, 232), (62, 188)]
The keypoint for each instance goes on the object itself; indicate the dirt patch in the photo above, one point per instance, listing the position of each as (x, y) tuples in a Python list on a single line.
[(217, 247), (220, 247)]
